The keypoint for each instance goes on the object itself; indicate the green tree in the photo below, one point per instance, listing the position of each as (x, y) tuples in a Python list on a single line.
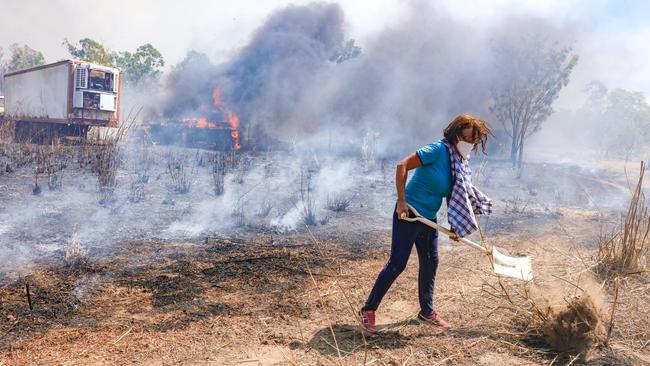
[(139, 67), (530, 75), (90, 50), (23, 57), (142, 66)]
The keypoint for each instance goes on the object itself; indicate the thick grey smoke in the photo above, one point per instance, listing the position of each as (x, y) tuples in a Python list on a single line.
[(410, 80), (264, 82), (280, 63)]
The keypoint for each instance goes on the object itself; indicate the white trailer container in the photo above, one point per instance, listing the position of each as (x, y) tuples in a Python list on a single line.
[(63, 98)]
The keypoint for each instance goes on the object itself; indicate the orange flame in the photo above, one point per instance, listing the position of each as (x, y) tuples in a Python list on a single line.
[(200, 123), (233, 119)]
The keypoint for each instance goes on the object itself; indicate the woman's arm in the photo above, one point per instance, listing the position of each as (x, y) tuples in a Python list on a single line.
[(401, 173)]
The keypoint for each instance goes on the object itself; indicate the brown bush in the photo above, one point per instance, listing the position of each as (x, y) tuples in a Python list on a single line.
[(570, 320), (578, 326)]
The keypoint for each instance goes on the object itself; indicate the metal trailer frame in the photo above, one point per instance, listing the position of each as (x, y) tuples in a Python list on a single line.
[(76, 121)]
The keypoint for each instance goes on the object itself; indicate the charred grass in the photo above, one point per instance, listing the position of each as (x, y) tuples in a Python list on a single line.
[(224, 300), (156, 287), (236, 298)]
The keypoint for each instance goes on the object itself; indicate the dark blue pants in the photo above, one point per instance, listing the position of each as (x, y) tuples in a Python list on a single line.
[(426, 242)]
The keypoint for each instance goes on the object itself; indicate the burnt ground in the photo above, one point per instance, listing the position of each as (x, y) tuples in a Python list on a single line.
[(259, 295)]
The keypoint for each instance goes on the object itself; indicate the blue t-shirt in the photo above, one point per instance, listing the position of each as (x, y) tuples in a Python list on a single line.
[(430, 182)]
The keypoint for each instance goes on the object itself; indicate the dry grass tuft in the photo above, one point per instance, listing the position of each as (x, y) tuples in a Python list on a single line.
[(219, 170), (624, 250), (6, 130), (109, 158), (75, 256), (50, 160), (338, 204), (569, 321), (182, 171), (308, 209), (578, 326)]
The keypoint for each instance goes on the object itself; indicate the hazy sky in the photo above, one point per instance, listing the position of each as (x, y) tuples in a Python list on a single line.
[(612, 37)]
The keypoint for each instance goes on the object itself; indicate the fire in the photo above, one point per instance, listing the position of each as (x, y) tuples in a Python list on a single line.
[(218, 109), (233, 119), (201, 123)]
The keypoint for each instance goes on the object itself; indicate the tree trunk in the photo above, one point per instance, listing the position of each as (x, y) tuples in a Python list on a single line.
[(520, 159), (514, 149), (515, 141)]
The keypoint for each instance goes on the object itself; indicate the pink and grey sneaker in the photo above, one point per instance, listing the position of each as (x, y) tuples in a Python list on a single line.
[(367, 319), (434, 319)]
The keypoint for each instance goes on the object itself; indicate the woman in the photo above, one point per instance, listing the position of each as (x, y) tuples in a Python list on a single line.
[(441, 171)]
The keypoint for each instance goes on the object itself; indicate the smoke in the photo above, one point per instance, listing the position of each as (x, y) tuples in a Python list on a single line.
[(276, 194), (398, 95), (410, 80)]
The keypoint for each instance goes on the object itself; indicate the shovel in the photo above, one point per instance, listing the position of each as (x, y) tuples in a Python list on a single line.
[(516, 267)]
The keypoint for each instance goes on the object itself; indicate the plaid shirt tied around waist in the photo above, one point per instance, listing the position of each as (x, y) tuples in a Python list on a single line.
[(465, 200)]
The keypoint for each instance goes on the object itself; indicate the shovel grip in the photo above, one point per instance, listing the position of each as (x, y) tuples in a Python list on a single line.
[(440, 228)]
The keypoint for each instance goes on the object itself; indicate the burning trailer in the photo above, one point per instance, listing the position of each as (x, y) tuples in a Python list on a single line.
[(64, 98), (196, 132), (219, 130)]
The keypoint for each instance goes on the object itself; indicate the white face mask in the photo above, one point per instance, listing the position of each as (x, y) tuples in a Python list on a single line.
[(464, 148)]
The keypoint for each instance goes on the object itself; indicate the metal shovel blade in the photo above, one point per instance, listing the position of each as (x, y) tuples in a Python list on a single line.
[(516, 267)]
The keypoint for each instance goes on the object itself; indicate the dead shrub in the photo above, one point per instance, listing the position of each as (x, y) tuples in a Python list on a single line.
[(570, 324), (202, 159), (182, 171), (578, 326), (7, 130), (338, 204), (238, 214), (106, 164), (624, 249), (516, 206), (219, 169), (143, 161), (240, 165), (136, 191), (265, 209), (20, 154), (6, 134), (37, 188), (75, 256), (86, 153), (51, 161), (308, 204), (108, 159)]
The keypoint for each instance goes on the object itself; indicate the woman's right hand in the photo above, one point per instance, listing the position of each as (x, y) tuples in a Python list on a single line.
[(402, 209)]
